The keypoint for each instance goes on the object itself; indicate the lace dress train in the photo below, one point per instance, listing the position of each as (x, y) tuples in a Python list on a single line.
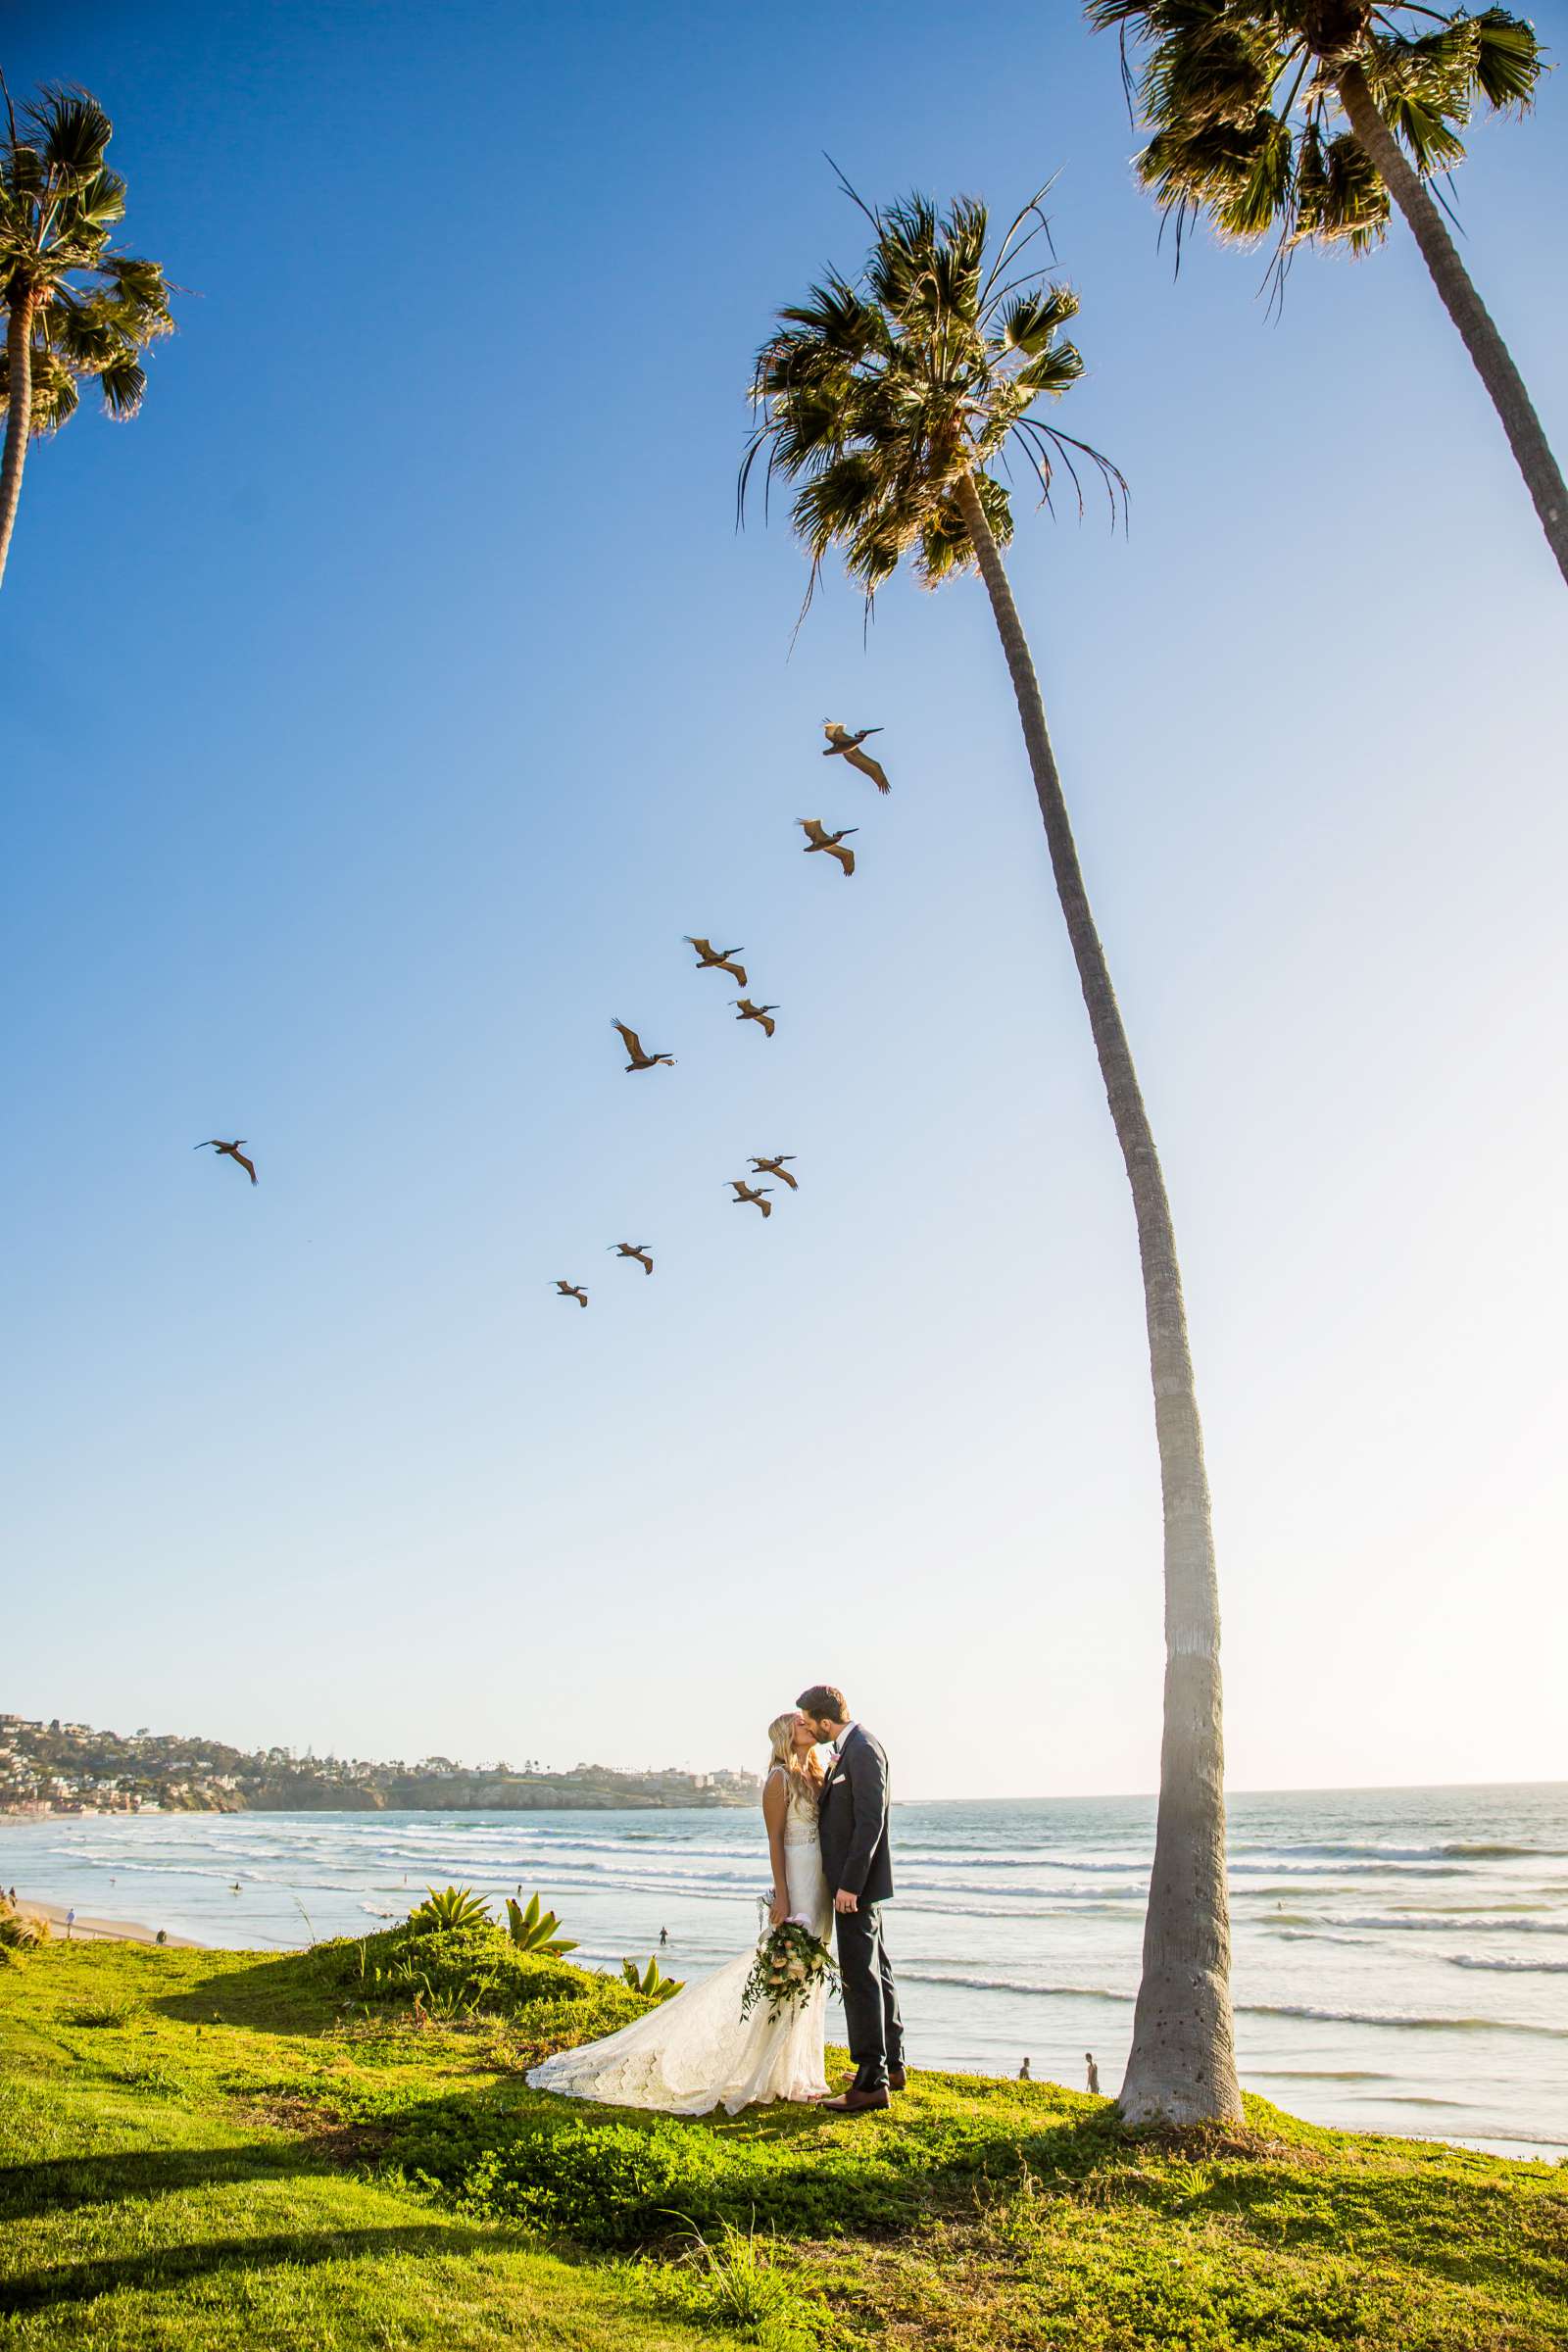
[(695, 2051)]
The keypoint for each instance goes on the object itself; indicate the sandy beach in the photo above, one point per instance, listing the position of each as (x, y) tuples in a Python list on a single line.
[(89, 1929)]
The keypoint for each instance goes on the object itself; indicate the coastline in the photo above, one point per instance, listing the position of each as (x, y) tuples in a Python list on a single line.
[(1399, 1962), (87, 1929), (96, 1928)]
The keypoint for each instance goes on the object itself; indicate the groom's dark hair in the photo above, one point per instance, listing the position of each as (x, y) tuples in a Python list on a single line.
[(824, 1702)]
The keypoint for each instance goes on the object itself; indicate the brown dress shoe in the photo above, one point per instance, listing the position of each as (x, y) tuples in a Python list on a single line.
[(897, 2080), (854, 2102)]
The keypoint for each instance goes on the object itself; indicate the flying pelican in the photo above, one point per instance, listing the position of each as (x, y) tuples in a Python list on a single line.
[(638, 1250), (756, 1012), (775, 1168), (717, 959), (230, 1151), (841, 743), (634, 1047), (744, 1192), (571, 1289), (818, 839)]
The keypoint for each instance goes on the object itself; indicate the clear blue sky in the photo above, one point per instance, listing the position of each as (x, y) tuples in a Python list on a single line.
[(383, 706)]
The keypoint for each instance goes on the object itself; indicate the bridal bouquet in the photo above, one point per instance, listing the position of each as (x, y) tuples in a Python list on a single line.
[(791, 1962)]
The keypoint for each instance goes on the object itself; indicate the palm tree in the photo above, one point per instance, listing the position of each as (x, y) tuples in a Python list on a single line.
[(74, 307), (1301, 119), (890, 402)]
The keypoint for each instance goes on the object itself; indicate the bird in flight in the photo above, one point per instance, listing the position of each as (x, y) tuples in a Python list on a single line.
[(228, 1151), (744, 1192), (841, 743), (818, 839), (572, 1290), (717, 959), (638, 1250), (634, 1047), (775, 1168), (756, 1012)]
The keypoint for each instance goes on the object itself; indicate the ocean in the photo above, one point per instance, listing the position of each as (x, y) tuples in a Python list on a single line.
[(1400, 1955)]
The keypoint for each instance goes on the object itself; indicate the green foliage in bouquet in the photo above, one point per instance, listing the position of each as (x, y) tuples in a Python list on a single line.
[(534, 1931)]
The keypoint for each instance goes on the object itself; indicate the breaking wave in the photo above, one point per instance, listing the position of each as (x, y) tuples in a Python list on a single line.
[(1512, 1967)]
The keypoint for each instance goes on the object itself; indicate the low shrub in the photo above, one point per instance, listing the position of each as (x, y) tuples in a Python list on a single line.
[(614, 2183), (18, 1931), (457, 1971), (603, 2183), (507, 1979), (466, 1966)]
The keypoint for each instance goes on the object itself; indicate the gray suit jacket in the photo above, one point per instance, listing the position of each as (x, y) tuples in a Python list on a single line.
[(852, 1822)]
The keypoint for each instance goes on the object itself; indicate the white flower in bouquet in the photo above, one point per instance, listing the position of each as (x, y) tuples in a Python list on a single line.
[(791, 1962)]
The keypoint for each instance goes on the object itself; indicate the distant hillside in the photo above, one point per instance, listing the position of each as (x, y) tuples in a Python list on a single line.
[(69, 1768)]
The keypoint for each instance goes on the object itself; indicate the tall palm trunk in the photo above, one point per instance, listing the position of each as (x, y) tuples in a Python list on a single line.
[(1464, 306), (19, 416), (1183, 2063)]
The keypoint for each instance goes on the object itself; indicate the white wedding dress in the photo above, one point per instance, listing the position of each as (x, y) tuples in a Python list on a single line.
[(695, 2051)]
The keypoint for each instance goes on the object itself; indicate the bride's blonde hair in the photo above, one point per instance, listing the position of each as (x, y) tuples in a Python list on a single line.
[(781, 1751)]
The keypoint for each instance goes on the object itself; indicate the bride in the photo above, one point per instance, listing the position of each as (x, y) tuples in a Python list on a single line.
[(695, 2051)]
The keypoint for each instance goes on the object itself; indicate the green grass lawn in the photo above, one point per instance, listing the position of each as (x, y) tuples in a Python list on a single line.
[(214, 2149)]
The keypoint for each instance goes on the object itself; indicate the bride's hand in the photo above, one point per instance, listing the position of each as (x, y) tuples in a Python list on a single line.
[(780, 1911)]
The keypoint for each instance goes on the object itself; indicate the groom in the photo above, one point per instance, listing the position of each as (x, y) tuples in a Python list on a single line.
[(853, 1825)]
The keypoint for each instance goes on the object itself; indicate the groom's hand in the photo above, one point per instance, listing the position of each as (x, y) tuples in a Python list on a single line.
[(844, 1901)]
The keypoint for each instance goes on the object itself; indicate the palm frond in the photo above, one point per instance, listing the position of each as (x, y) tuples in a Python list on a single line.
[(1029, 323), (138, 281), (1007, 251), (1345, 199), (92, 204), (1509, 59), (77, 332), (1052, 372), (71, 128), (1263, 195), (123, 383)]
